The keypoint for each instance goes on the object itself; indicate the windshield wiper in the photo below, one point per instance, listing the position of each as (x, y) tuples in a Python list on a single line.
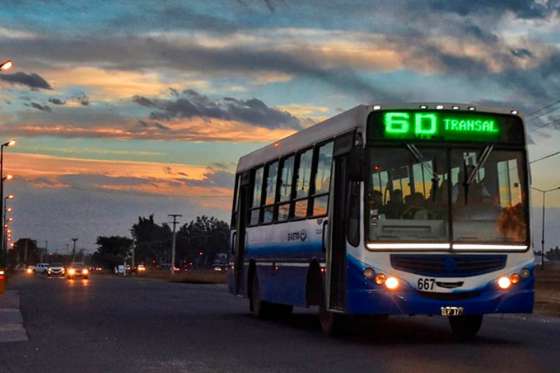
[(416, 153), (482, 160)]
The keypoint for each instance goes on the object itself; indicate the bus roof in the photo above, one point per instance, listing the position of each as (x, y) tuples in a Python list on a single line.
[(321, 131), (339, 124)]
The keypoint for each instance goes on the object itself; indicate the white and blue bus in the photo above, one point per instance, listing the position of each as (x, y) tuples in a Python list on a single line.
[(388, 210)]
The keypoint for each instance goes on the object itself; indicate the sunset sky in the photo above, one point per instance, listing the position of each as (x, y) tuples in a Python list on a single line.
[(129, 108)]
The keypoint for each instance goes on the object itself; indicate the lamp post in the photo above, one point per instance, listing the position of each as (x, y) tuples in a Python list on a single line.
[(4, 66), (5, 229), (543, 217)]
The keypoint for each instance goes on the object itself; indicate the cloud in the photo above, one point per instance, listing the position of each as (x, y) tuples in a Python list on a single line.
[(33, 81), (191, 104), (177, 180), (521, 8), (35, 105), (56, 101)]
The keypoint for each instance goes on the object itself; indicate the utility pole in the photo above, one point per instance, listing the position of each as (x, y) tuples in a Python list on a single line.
[(74, 248), (133, 259), (174, 222)]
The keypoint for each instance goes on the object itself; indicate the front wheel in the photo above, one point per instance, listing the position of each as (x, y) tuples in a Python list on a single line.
[(465, 327), (332, 324)]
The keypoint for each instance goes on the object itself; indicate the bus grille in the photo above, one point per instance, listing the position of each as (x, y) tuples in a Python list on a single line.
[(448, 265)]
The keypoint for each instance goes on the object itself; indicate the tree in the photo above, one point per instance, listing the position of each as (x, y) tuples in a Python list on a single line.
[(153, 241), (25, 251), (201, 240), (112, 250)]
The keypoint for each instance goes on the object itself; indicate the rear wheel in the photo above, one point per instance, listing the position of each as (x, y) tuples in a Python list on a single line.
[(465, 327)]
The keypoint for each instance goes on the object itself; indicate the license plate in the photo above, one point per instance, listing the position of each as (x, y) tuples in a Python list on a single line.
[(452, 311)]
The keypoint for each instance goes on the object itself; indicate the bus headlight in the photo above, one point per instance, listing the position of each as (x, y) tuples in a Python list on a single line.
[(380, 279), (525, 273), (369, 273), (504, 282), (392, 283), (515, 278)]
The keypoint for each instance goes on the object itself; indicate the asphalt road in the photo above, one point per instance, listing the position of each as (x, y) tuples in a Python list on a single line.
[(111, 324)]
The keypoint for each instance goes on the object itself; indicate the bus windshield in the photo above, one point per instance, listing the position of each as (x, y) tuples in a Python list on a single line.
[(415, 190)]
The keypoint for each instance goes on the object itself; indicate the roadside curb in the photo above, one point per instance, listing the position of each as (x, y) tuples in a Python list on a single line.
[(11, 321)]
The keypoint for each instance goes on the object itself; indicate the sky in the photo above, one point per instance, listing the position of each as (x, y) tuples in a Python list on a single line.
[(124, 109)]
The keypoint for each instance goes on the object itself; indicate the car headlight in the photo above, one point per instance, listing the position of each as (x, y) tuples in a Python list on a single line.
[(71, 271), (85, 271)]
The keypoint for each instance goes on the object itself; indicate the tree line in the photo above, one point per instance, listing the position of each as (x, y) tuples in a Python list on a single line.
[(198, 243)]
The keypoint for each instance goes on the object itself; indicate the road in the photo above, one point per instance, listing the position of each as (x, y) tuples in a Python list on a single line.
[(110, 324)]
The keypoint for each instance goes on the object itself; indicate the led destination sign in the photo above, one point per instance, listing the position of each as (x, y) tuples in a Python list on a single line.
[(444, 125), (426, 125)]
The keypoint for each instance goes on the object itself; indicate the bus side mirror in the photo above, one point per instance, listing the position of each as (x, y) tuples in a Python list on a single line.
[(355, 164)]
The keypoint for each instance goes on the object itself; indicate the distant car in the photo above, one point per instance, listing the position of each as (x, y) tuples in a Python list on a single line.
[(77, 270), (56, 269), (41, 267), (30, 270), (141, 268), (119, 270)]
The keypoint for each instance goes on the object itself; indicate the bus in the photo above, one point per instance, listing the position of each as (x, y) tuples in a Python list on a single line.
[(411, 209)]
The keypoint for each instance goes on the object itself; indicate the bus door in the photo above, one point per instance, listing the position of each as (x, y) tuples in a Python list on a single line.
[(336, 245), (238, 238)]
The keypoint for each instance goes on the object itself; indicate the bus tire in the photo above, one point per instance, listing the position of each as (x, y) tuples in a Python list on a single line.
[(465, 327), (260, 308), (263, 309)]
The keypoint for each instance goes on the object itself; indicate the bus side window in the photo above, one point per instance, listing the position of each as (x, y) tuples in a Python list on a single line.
[(322, 179), (257, 196), (270, 191), (353, 214), (285, 186), (235, 201), (303, 179)]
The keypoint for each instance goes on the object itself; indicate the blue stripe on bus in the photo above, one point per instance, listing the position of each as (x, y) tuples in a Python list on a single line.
[(308, 250)]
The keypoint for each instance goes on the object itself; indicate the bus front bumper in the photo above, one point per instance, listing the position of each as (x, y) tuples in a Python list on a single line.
[(409, 301)]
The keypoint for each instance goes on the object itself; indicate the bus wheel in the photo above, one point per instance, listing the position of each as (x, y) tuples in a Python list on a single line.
[(465, 327), (260, 308)]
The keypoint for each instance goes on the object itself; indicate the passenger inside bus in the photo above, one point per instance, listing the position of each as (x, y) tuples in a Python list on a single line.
[(395, 207)]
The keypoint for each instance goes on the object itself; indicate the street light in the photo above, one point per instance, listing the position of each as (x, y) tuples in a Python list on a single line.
[(543, 217), (6, 65), (2, 212), (6, 233)]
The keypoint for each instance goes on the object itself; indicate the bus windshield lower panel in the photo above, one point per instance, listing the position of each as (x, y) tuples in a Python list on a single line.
[(461, 195)]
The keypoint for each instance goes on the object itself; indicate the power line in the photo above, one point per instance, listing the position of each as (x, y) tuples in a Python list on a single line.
[(544, 108), (545, 157)]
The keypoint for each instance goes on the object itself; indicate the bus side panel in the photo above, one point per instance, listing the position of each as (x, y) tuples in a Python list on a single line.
[(282, 253), (283, 284)]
